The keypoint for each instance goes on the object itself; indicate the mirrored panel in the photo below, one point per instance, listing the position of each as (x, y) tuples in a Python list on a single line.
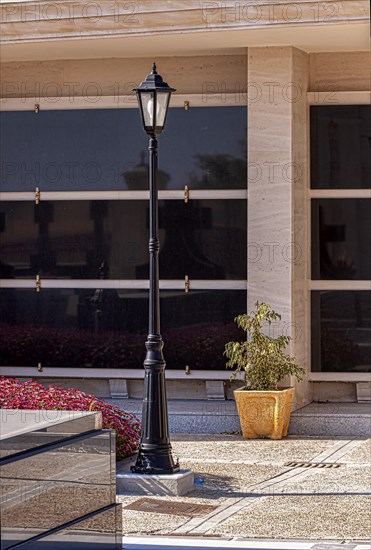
[(341, 331), (204, 148), (341, 230), (204, 239), (340, 146), (108, 328), (45, 489), (38, 432), (99, 531)]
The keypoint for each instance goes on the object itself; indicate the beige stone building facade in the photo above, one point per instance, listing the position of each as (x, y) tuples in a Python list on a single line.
[(264, 191)]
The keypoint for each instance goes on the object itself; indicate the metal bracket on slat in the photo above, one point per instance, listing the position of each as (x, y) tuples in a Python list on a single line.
[(37, 195), (186, 105), (186, 194), (39, 367), (38, 283), (186, 284), (37, 108)]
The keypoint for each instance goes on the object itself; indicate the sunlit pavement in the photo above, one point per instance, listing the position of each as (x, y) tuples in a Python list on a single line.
[(169, 543), (310, 489)]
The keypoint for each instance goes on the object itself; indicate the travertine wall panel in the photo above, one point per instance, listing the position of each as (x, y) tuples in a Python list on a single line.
[(334, 392), (340, 71), (204, 74), (269, 151), (277, 206), (300, 222)]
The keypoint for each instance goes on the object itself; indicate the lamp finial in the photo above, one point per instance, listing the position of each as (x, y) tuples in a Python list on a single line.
[(154, 68)]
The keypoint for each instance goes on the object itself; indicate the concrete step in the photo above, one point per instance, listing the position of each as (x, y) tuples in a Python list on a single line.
[(213, 417), (350, 419)]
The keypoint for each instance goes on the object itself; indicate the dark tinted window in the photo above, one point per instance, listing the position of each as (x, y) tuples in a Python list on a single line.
[(341, 147), (341, 331), (107, 149), (203, 239), (107, 329), (341, 232)]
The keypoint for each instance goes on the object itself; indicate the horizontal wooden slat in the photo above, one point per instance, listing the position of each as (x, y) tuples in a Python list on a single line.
[(175, 284), (196, 194), (340, 193), (340, 285), (340, 377), (334, 97), (56, 373), (206, 99)]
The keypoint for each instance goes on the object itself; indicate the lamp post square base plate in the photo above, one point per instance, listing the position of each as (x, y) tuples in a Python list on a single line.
[(177, 484)]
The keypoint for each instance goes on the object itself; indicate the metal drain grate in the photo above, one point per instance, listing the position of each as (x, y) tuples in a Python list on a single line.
[(168, 507), (312, 465)]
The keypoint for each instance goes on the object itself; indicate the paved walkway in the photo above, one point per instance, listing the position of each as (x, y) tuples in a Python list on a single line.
[(162, 543), (259, 494)]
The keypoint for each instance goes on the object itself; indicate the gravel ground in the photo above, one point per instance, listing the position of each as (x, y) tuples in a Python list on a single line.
[(230, 465), (346, 479), (220, 484), (231, 448), (146, 523), (6, 486), (361, 454), (306, 517), (222, 479)]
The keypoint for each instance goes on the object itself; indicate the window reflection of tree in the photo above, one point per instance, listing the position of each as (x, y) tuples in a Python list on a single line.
[(99, 312), (219, 171), (333, 266), (97, 256), (180, 251), (44, 261), (138, 176)]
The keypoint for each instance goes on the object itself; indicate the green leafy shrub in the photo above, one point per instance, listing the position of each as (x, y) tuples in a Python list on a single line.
[(261, 358)]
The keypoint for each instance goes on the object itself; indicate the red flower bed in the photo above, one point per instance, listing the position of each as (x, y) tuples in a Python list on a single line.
[(31, 395)]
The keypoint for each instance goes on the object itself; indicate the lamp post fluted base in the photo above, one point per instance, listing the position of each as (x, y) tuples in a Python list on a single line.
[(155, 455), (155, 463)]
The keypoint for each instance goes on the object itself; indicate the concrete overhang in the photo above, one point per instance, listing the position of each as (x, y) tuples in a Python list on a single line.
[(82, 29)]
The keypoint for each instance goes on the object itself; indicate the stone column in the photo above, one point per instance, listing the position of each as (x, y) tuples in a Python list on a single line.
[(278, 207)]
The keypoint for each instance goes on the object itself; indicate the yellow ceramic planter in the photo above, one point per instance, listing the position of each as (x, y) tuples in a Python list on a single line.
[(264, 413)]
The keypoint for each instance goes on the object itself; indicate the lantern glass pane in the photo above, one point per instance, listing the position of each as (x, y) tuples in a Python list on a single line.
[(147, 103), (162, 105)]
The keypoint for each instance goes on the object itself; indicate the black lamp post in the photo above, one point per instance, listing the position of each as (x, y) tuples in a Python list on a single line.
[(155, 449)]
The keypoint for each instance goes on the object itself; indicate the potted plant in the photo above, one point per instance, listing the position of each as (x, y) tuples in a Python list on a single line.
[(264, 408)]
